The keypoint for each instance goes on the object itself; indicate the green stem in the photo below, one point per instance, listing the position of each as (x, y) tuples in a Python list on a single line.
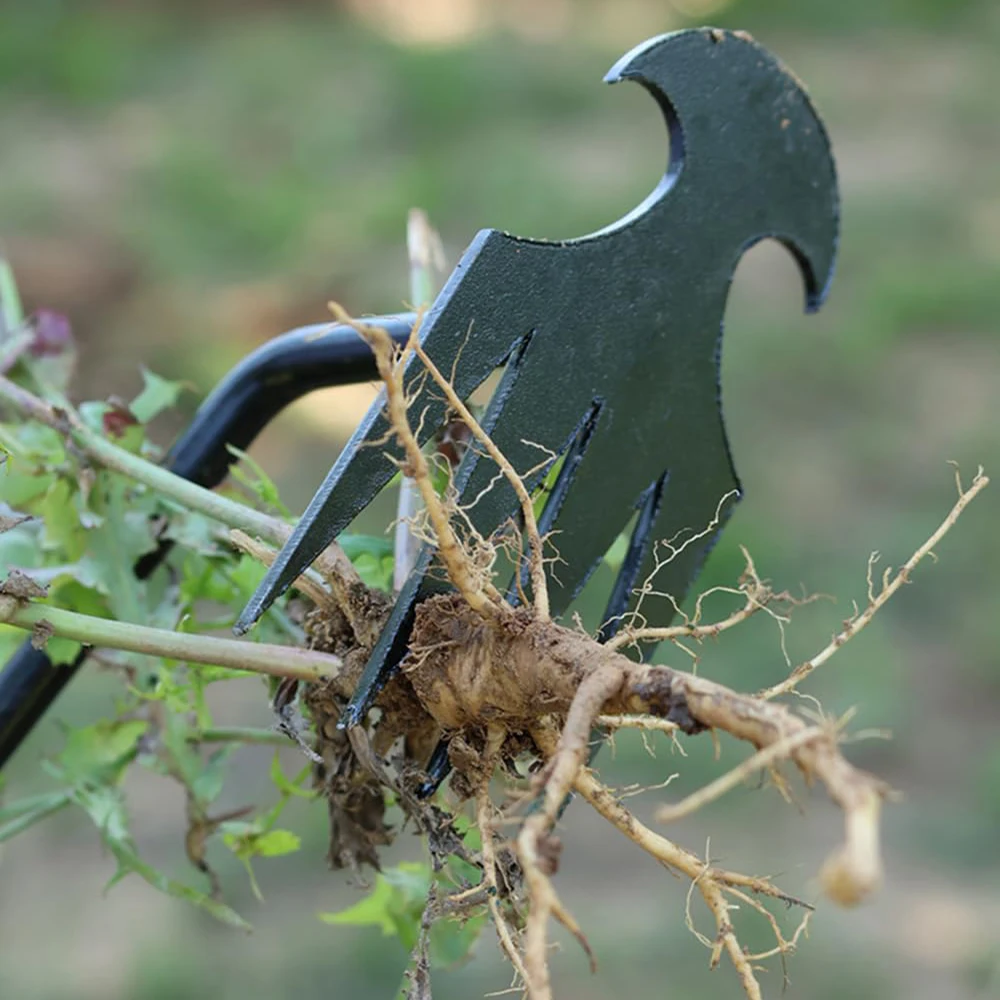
[(108, 454), (46, 801), (242, 734), (26, 819), (263, 658)]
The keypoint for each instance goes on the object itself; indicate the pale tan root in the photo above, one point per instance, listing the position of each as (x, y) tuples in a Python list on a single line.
[(649, 723), (537, 559), (665, 551), (757, 596), (536, 848), (711, 882), (514, 674), (583, 682), (484, 820), (265, 554), (736, 776), (855, 870), (346, 589), (594, 691), (481, 596), (481, 660), (474, 671), (889, 585), (381, 344)]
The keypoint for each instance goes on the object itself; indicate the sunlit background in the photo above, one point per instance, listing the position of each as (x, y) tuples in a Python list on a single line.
[(185, 180)]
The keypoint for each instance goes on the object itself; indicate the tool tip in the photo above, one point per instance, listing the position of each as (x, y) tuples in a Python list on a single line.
[(248, 618)]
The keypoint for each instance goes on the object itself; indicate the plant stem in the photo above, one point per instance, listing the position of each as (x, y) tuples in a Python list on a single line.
[(879, 595), (27, 818), (108, 454), (243, 734), (45, 802), (263, 658)]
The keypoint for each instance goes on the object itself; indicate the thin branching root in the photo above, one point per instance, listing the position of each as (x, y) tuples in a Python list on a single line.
[(504, 684), (515, 697)]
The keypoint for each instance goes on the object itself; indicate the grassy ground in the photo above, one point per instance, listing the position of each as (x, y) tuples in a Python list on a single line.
[(185, 188)]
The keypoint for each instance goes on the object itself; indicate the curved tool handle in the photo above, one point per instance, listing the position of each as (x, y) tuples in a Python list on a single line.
[(241, 405)]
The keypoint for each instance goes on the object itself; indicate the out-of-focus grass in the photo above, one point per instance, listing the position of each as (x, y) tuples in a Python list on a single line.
[(186, 183)]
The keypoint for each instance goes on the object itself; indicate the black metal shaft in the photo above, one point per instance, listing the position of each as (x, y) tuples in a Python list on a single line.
[(241, 405)]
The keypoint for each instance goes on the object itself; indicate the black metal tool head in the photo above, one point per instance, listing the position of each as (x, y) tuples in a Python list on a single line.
[(612, 342)]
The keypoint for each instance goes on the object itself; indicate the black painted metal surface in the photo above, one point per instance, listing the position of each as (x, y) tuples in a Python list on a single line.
[(612, 342), (241, 405)]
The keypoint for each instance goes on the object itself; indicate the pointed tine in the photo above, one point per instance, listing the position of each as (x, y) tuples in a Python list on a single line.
[(638, 546)]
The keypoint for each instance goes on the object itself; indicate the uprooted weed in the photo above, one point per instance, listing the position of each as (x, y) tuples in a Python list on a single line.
[(505, 683)]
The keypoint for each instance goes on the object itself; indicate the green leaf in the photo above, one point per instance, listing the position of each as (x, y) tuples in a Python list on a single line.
[(372, 911), (244, 839), (19, 546), (63, 531), (125, 533), (253, 839), (101, 752), (167, 684), (106, 808), (23, 481), (204, 580), (195, 533), (114, 421), (292, 787), (451, 940), (71, 593), (33, 443), (93, 761), (274, 843), (378, 546), (250, 474), (374, 571), (396, 903), (245, 576), (158, 394), (544, 489), (182, 759), (129, 861), (207, 787)]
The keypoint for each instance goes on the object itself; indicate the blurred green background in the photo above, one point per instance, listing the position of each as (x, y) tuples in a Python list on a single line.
[(186, 179)]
